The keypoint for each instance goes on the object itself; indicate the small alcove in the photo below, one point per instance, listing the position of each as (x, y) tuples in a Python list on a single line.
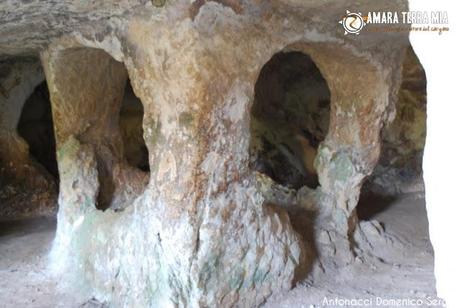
[(289, 118), (36, 128)]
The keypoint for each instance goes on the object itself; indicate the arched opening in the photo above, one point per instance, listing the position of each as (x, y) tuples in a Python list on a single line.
[(289, 118), (131, 117), (36, 127), (28, 167), (131, 155), (132, 151), (96, 112)]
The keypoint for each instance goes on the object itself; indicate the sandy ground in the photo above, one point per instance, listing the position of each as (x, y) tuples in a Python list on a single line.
[(24, 246), (403, 272)]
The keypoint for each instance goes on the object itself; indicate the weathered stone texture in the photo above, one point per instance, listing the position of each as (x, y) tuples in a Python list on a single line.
[(88, 109), (131, 117), (25, 187), (400, 166), (29, 25), (207, 230)]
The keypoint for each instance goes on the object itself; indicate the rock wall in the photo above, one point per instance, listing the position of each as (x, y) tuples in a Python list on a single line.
[(29, 172), (400, 166), (204, 228), (36, 127), (26, 187), (203, 231), (87, 109)]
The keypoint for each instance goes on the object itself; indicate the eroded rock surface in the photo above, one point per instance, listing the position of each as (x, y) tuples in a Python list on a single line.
[(400, 166), (203, 227), (26, 187)]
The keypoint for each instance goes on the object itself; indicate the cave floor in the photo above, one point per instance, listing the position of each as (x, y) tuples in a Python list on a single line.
[(406, 273), (24, 245)]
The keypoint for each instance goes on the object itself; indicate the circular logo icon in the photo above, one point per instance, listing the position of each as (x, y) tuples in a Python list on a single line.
[(352, 23)]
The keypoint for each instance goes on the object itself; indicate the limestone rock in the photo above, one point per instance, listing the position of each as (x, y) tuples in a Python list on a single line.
[(200, 229), (26, 188)]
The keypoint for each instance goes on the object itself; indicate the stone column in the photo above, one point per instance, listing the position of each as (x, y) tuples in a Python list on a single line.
[(199, 234), (202, 233), (362, 94), (221, 245), (86, 90)]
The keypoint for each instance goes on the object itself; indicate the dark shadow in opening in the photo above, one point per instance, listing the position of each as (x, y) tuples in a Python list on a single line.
[(290, 117), (36, 127), (20, 227), (106, 185), (131, 117), (371, 204)]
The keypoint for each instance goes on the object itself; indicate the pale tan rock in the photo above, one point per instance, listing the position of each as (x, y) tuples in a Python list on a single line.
[(25, 187), (204, 231)]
